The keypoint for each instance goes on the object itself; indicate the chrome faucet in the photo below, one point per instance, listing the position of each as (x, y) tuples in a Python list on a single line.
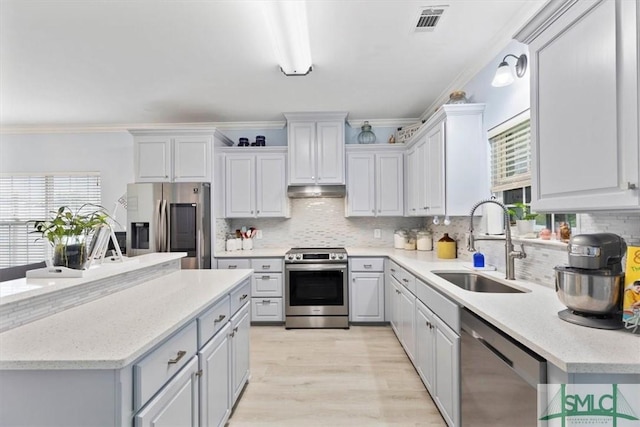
[(509, 253)]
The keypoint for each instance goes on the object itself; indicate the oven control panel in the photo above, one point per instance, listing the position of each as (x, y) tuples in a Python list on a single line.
[(310, 257)]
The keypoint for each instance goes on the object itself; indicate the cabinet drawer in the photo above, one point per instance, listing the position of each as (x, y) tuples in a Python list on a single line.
[(408, 280), (367, 264), (152, 372), (212, 320), (266, 285), (266, 264), (266, 310), (233, 263), (395, 270), (442, 306), (240, 296)]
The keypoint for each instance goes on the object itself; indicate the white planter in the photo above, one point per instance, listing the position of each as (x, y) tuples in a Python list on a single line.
[(525, 227)]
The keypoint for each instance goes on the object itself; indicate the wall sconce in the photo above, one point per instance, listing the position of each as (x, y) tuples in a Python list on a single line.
[(287, 22), (504, 75)]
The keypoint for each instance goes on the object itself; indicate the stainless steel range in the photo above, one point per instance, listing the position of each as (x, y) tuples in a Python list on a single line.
[(316, 288)]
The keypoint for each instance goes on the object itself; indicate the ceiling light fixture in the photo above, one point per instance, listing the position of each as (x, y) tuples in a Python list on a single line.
[(504, 74), (287, 21)]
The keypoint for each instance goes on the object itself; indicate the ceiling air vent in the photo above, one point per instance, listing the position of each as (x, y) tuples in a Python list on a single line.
[(428, 18)]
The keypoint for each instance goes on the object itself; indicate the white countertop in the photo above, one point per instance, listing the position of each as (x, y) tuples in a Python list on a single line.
[(111, 332), (20, 289), (531, 318)]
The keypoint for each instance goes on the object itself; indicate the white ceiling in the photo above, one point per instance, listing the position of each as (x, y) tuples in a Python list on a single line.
[(118, 63)]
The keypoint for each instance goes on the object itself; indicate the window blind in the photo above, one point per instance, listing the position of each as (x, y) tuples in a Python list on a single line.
[(28, 197), (511, 157)]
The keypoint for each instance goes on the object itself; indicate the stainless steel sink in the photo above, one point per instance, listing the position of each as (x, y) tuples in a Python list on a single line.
[(476, 283)]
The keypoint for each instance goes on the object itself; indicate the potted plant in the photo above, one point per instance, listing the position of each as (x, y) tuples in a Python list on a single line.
[(525, 219), (67, 232)]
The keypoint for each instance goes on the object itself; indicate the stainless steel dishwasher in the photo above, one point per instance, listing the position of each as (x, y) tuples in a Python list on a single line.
[(498, 377)]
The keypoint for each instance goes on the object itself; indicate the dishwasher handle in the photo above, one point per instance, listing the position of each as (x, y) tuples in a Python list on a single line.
[(530, 366)]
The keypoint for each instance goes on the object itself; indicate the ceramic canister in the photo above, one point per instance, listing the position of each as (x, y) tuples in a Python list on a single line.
[(446, 247)]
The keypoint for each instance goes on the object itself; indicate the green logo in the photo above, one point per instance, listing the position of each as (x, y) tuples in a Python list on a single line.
[(565, 405)]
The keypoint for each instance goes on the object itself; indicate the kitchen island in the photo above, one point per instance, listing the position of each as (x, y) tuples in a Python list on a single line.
[(104, 362)]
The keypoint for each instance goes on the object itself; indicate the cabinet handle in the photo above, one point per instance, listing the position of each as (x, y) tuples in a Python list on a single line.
[(266, 267), (405, 280), (266, 277), (631, 186), (251, 211), (166, 176), (199, 373), (231, 267), (266, 301), (367, 266), (235, 329), (257, 211), (243, 297), (373, 211), (232, 334), (179, 356), (393, 270), (397, 291), (219, 319)]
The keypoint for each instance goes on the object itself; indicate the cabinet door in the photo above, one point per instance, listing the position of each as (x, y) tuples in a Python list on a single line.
[(395, 299), (302, 152), (407, 318), (434, 184), (423, 175), (215, 384), (177, 402), (366, 297), (447, 375), (192, 159), (585, 150), (271, 197), (412, 181), (152, 157), (330, 152), (361, 184), (240, 186), (240, 324), (425, 345), (389, 184)]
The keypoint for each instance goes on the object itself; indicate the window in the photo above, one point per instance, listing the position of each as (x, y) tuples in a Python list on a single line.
[(28, 197), (511, 169)]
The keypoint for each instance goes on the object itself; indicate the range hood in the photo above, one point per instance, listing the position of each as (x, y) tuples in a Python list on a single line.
[(304, 191)]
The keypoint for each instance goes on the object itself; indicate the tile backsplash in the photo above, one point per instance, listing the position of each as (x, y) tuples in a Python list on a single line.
[(321, 222)]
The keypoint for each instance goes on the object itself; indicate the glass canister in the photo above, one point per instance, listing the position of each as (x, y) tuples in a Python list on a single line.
[(400, 237), (424, 240), (410, 244)]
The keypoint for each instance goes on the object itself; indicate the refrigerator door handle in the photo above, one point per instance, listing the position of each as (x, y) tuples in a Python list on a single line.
[(158, 226), (198, 246), (165, 227)]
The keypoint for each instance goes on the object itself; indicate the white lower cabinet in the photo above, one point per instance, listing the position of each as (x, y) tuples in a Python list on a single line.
[(366, 289), (394, 305), (177, 402), (407, 319), (239, 334), (437, 357), (215, 381)]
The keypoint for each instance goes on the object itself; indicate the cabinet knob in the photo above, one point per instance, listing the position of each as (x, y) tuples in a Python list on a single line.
[(631, 186), (219, 319), (257, 211)]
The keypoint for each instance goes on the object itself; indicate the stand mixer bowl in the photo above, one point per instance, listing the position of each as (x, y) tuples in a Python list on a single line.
[(599, 292)]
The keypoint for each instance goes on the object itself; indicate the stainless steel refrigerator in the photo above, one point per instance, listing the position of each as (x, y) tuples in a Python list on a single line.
[(170, 217)]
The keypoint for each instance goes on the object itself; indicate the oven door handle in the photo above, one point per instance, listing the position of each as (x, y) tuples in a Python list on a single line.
[(309, 267)]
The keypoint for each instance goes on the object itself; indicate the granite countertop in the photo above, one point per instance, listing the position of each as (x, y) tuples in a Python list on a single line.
[(531, 317), (113, 331), (20, 289)]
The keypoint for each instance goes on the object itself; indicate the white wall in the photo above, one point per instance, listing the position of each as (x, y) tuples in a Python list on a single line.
[(110, 153)]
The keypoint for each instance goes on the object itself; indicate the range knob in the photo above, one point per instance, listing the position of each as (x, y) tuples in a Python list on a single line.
[(332, 256), (298, 257), (341, 256)]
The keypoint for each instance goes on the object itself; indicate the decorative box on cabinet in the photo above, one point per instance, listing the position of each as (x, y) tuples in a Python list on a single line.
[(447, 162), (177, 155), (375, 180), (585, 149), (255, 184), (316, 148), (366, 290)]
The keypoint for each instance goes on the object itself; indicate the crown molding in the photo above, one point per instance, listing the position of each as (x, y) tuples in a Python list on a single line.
[(126, 127)]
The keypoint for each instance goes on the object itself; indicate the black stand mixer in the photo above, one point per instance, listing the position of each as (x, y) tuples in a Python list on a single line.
[(591, 285)]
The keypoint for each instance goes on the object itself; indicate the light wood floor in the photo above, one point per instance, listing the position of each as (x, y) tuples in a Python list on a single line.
[(332, 377)]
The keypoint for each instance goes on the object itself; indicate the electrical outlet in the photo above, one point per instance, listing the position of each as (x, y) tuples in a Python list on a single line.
[(376, 233), (258, 234)]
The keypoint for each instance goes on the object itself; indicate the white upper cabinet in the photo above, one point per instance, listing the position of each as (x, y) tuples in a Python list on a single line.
[(584, 106), (316, 148), (175, 155), (447, 168), (375, 178), (255, 183)]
